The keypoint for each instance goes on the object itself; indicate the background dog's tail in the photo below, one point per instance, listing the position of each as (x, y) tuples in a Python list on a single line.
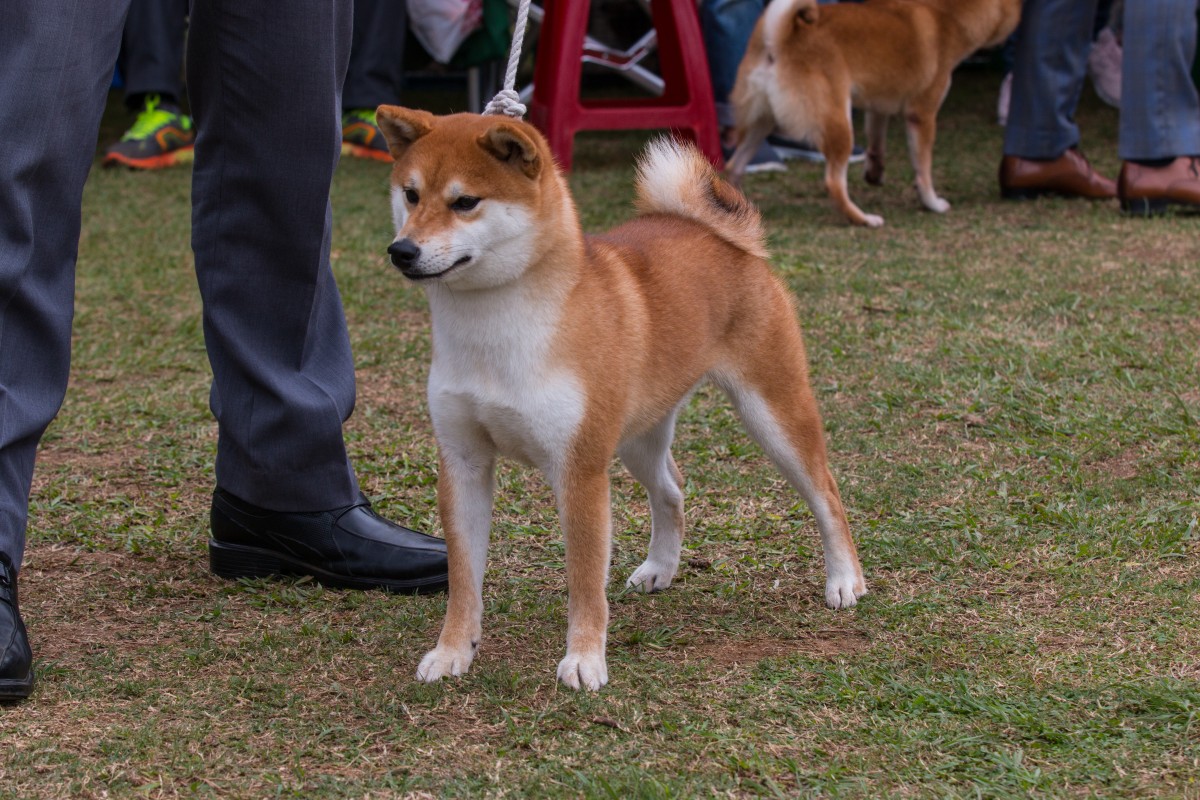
[(783, 17), (674, 178)]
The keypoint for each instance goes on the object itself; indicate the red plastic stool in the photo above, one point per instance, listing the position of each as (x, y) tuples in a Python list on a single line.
[(685, 106)]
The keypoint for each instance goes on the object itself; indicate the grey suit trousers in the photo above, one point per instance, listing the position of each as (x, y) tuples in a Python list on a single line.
[(265, 83)]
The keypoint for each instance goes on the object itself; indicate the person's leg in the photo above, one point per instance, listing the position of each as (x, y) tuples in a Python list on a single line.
[(265, 83), (375, 73), (1049, 67), (152, 63), (1159, 135), (1160, 109), (726, 26), (57, 58), (152, 50)]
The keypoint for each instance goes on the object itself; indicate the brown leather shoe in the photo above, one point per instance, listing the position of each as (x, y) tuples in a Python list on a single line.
[(1147, 191), (1069, 175)]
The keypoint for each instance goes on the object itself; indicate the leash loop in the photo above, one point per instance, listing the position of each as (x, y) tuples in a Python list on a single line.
[(507, 101)]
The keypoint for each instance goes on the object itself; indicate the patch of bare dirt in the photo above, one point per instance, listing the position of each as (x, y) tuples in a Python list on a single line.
[(746, 652), (1122, 465)]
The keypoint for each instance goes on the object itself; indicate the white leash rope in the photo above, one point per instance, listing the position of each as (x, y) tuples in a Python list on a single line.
[(507, 100)]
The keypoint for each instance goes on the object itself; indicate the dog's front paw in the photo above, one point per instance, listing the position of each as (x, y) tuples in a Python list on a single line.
[(844, 591), (872, 220), (443, 661), (937, 205), (583, 671), (652, 576)]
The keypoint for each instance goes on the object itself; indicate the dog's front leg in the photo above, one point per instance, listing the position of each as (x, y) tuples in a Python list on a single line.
[(465, 488), (587, 525), (921, 123)]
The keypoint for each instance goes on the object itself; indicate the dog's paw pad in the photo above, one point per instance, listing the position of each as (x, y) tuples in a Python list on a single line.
[(583, 671), (651, 577), (439, 662)]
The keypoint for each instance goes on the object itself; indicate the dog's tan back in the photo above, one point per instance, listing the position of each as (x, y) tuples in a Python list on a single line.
[(806, 66), (564, 351)]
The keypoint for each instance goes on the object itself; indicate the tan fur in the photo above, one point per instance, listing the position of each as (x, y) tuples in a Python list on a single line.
[(639, 316), (886, 57)]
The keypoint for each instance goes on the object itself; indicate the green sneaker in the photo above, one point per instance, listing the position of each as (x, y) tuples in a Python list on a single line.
[(361, 136), (160, 137)]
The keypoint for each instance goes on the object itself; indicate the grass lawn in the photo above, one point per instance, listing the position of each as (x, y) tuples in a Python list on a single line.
[(1011, 393)]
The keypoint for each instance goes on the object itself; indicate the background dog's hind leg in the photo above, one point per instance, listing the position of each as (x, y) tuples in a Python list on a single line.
[(775, 403), (648, 459), (876, 127), (837, 143)]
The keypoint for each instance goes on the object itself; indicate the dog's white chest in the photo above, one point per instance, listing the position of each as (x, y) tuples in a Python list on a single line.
[(492, 386), (533, 425)]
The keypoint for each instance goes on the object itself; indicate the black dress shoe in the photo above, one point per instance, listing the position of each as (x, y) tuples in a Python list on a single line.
[(350, 547), (16, 659)]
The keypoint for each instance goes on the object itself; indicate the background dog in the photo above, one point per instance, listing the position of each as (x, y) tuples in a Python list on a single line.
[(804, 69), (563, 351)]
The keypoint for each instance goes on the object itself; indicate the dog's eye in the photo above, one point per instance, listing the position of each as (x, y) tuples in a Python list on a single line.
[(411, 196), (465, 203)]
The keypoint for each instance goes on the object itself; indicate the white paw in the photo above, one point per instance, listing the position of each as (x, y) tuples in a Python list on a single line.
[(872, 220), (937, 205), (442, 661), (652, 576), (844, 591), (583, 671)]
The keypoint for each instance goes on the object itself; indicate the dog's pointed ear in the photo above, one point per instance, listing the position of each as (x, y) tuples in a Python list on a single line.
[(513, 145), (402, 126)]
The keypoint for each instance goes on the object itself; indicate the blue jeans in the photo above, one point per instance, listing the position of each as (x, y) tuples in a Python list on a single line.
[(726, 26), (1160, 111)]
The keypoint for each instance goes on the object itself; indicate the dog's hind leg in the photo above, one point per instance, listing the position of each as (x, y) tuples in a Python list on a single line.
[(465, 488), (776, 404), (876, 127), (648, 459), (837, 143)]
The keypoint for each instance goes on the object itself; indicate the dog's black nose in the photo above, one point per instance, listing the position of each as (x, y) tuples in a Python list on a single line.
[(404, 253)]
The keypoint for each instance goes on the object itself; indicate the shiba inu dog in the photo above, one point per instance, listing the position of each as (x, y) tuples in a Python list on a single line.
[(804, 68), (563, 350)]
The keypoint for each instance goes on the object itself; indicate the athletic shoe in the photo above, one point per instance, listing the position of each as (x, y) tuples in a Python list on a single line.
[(161, 137), (804, 151), (361, 136), (765, 159)]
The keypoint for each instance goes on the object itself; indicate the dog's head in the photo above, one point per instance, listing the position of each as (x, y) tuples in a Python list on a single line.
[(469, 196)]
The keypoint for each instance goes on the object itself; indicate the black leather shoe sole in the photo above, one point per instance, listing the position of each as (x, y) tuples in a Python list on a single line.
[(13, 689), (239, 561)]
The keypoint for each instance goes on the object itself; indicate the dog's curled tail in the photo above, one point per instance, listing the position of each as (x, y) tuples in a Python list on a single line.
[(675, 178), (783, 17)]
